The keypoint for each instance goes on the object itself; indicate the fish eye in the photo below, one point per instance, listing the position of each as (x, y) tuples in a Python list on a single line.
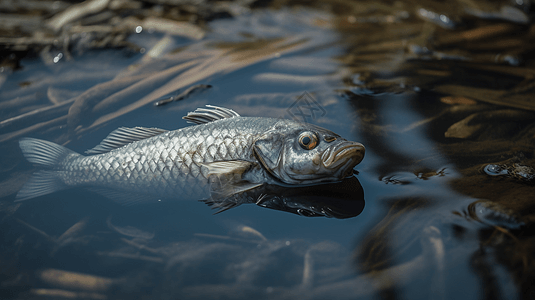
[(308, 140)]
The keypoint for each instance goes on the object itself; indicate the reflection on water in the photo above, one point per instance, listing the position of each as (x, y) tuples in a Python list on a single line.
[(439, 93), (339, 200)]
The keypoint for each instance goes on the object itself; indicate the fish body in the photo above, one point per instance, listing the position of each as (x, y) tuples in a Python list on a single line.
[(223, 155)]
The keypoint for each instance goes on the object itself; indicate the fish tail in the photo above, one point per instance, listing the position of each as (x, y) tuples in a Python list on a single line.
[(43, 154), (41, 183)]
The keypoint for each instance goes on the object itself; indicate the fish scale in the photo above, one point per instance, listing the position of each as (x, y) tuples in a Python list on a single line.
[(168, 164)]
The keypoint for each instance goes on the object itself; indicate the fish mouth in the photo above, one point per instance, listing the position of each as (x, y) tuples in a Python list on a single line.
[(346, 153)]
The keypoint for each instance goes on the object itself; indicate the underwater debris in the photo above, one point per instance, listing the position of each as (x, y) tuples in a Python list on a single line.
[(77, 281), (188, 92), (494, 214), (516, 171)]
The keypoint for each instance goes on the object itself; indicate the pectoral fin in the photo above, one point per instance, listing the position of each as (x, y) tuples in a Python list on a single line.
[(229, 167), (225, 190), (226, 181), (232, 196)]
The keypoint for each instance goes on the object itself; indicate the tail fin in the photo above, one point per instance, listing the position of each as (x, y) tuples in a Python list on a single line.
[(40, 184), (47, 155), (43, 153)]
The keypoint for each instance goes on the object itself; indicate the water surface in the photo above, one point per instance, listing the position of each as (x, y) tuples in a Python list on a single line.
[(433, 224)]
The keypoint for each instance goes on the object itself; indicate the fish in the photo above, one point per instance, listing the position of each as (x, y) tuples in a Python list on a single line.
[(222, 155)]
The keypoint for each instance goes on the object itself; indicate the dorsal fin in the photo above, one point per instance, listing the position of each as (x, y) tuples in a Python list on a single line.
[(122, 136), (210, 114)]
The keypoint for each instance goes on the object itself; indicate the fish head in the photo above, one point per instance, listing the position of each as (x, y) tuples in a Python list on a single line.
[(297, 153)]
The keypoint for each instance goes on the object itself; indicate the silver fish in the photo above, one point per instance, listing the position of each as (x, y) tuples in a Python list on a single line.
[(224, 155)]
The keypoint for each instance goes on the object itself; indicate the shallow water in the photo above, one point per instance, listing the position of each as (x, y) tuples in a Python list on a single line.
[(433, 224)]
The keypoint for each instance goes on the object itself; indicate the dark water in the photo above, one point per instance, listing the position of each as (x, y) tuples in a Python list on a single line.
[(430, 223)]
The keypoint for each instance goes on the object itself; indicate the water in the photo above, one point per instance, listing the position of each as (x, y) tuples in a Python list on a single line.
[(433, 224)]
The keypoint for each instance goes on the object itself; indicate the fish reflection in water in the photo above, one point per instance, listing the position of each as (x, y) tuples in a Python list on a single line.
[(225, 155), (339, 200)]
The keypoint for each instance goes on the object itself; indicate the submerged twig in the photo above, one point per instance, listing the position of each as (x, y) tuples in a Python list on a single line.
[(57, 293), (39, 231), (77, 281), (188, 92), (75, 12)]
